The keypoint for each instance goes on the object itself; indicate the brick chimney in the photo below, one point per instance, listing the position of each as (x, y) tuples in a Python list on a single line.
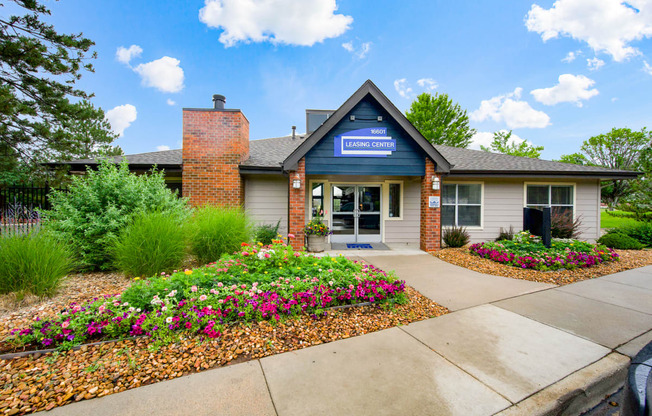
[(215, 142)]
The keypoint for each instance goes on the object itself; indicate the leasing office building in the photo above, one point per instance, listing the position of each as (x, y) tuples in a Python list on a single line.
[(374, 176)]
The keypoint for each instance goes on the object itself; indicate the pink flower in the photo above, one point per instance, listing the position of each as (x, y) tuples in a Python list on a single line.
[(297, 254), (203, 298), (219, 284), (290, 235), (245, 253), (65, 324), (193, 289), (267, 255)]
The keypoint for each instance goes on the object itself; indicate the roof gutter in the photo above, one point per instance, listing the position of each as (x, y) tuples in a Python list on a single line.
[(547, 174)]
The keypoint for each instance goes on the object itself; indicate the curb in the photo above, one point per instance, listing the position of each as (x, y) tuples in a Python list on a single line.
[(576, 393)]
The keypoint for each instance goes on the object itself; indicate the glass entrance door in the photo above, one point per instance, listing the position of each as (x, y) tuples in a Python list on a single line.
[(356, 213)]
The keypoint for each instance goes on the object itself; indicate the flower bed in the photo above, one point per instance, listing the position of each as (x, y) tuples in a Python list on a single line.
[(258, 283), (527, 252)]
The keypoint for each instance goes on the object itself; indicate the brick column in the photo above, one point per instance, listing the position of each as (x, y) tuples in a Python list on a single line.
[(430, 217), (297, 214)]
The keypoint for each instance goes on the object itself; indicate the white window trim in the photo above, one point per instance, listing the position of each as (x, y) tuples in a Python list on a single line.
[(325, 193), (573, 184), (481, 183), (385, 196)]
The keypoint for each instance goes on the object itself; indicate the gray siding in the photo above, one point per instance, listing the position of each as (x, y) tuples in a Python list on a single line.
[(408, 229), (266, 199), (503, 202)]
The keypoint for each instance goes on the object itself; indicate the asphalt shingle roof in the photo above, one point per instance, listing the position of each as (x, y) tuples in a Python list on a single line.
[(469, 161), (270, 153)]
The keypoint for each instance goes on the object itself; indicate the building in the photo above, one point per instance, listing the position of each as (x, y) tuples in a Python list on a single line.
[(371, 173)]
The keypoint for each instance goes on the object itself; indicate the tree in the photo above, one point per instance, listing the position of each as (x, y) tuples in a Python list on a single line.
[(440, 120), (42, 114), (501, 144), (639, 199), (575, 159), (619, 149)]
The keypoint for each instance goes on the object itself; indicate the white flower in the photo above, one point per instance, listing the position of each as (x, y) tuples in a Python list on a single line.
[(173, 293), (168, 319), (165, 308), (125, 304)]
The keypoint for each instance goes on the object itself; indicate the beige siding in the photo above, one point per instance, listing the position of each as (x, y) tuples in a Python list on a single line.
[(266, 199), (587, 205), (406, 230), (503, 201)]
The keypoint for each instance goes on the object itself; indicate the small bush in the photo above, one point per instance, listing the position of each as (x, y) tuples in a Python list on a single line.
[(506, 235), (620, 241), (266, 233), (154, 242), (33, 262), (456, 236), (216, 231), (641, 232), (101, 203), (562, 224)]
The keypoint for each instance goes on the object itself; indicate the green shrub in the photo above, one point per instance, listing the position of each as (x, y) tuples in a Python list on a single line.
[(266, 233), (506, 235), (218, 230), (456, 236), (154, 242), (620, 241), (100, 204), (33, 262), (641, 232), (562, 224)]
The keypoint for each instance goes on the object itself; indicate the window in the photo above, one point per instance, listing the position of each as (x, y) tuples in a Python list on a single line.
[(558, 197), (394, 200), (462, 205), (317, 199)]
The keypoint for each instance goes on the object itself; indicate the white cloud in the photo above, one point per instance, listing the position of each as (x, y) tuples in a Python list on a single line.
[(360, 52), (594, 64), (171, 102), (402, 88), (647, 67), (607, 26), (484, 138), (125, 55), (292, 22), (121, 117), (164, 74), (614, 99), (510, 109), (162, 148), (428, 83), (570, 89), (570, 56)]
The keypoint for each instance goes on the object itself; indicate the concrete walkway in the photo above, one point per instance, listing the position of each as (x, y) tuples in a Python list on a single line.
[(510, 347)]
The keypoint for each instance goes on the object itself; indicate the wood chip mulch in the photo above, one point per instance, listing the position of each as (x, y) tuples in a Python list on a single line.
[(44, 381), (629, 259)]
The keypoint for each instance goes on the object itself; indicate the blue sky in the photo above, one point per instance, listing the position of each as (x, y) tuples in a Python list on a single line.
[(501, 61)]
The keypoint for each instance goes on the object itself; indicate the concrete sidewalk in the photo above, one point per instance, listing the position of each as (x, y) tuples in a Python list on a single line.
[(511, 347)]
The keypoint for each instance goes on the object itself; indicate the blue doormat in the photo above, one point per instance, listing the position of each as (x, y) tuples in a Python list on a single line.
[(355, 245)]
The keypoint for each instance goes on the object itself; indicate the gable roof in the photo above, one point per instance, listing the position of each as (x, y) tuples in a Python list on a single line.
[(368, 88), (269, 155)]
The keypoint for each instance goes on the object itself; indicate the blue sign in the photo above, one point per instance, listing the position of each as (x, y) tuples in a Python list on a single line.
[(370, 142)]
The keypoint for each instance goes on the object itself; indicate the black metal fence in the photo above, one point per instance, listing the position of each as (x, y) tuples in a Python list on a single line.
[(21, 206)]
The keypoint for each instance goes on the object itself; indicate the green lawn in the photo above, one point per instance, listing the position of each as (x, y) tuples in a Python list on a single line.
[(608, 221)]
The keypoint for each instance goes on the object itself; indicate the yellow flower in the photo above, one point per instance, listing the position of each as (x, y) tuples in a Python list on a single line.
[(260, 244), (265, 272), (136, 278), (188, 272), (299, 268)]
